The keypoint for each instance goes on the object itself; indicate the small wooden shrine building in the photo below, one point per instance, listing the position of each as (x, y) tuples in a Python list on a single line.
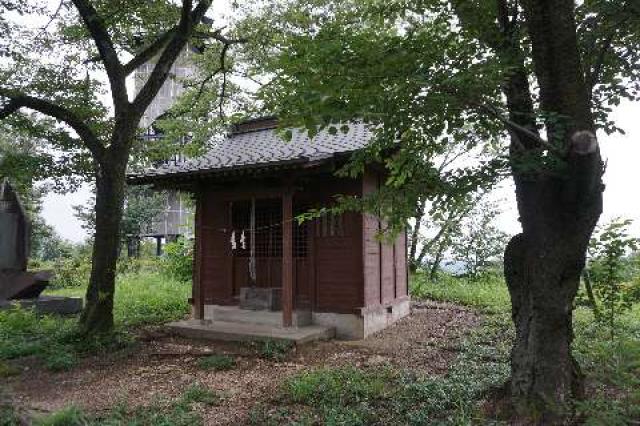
[(254, 263)]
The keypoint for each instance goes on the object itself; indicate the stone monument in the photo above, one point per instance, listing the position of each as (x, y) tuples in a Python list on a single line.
[(17, 285)]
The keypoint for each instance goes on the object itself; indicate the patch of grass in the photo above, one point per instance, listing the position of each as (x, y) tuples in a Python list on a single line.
[(357, 396), (140, 299), (489, 292), (7, 370), (150, 299), (23, 333), (276, 350), (335, 386), (52, 339), (199, 394), (612, 368), (69, 416), (180, 412), (216, 363), (264, 415), (340, 396), (144, 299), (8, 414), (60, 358)]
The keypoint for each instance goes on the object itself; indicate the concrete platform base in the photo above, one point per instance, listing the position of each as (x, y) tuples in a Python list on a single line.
[(47, 304), (370, 320), (234, 331)]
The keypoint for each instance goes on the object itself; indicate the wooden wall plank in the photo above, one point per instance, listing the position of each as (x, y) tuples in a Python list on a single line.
[(371, 259), (388, 273), (217, 262), (371, 250), (401, 266)]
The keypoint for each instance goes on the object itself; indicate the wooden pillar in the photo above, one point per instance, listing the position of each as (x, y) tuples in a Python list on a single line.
[(158, 246), (196, 289), (287, 258)]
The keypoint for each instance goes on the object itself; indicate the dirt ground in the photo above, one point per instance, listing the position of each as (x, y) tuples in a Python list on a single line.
[(163, 366)]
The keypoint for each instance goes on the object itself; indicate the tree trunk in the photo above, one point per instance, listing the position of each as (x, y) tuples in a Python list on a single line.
[(435, 265), (414, 262), (542, 270), (543, 277), (97, 316), (589, 289), (559, 207)]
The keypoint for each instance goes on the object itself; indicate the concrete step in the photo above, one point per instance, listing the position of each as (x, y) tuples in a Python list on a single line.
[(234, 331), (247, 316), (47, 304)]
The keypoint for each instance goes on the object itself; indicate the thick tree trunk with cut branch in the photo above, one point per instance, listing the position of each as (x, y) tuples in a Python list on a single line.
[(559, 208)]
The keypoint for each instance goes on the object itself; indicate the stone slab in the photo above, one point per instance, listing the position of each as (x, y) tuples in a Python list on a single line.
[(248, 316), (219, 330), (261, 298), (48, 304), (23, 285)]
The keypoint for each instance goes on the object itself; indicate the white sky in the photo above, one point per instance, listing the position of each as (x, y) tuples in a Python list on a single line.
[(621, 152)]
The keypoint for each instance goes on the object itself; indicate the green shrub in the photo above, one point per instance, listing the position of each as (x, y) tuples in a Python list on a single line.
[(276, 350), (612, 368), (139, 266), (358, 396), (610, 286), (216, 363), (385, 395), (59, 358), (178, 260), (71, 272)]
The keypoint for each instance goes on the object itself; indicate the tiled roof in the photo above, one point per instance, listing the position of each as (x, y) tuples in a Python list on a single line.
[(264, 147)]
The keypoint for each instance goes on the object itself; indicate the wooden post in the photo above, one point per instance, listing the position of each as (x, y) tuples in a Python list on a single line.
[(196, 289), (158, 246), (287, 258)]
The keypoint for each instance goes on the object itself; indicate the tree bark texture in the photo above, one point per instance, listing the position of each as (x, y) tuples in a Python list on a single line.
[(414, 261), (559, 206), (97, 316), (111, 169)]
